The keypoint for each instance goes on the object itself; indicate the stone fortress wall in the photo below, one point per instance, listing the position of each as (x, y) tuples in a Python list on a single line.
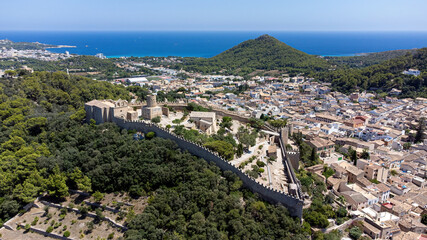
[(219, 111), (293, 203)]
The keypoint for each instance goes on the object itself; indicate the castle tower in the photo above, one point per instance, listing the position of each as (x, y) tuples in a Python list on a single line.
[(284, 134), (151, 101), (151, 110), (291, 128)]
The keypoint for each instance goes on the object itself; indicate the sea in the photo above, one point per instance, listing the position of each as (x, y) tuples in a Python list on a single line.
[(211, 43)]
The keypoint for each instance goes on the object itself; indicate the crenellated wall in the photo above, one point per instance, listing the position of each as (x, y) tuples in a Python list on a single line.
[(219, 111), (293, 203), (288, 166)]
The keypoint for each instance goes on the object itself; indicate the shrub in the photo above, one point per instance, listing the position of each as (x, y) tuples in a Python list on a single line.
[(36, 219), (424, 219), (99, 214), (327, 171), (150, 135), (97, 196), (355, 233), (49, 229), (177, 121), (57, 225), (67, 234), (260, 163), (341, 212), (339, 221), (89, 226), (27, 227), (136, 191), (317, 219), (110, 236), (156, 119), (46, 209), (83, 210)]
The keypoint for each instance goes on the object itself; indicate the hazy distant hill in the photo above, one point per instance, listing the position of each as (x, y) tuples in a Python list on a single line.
[(368, 59), (263, 53), (24, 45)]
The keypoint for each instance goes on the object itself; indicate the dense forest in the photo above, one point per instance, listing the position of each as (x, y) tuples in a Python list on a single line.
[(263, 53), (367, 59), (30, 110), (45, 146), (383, 76)]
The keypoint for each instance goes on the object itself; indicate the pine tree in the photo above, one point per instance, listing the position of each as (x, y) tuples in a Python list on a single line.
[(420, 136), (239, 151), (353, 156), (56, 184), (313, 156)]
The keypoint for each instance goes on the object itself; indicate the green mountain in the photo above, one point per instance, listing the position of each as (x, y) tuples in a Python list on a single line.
[(263, 53)]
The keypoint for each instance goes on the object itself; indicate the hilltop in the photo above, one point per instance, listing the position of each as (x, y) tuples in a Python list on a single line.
[(263, 53)]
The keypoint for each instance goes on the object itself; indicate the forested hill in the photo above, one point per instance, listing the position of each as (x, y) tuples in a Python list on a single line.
[(368, 59), (263, 53), (383, 76), (45, 147)]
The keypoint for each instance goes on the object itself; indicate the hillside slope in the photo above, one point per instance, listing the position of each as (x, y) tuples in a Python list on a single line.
[(263, 53), (384, 76), (368, 59)]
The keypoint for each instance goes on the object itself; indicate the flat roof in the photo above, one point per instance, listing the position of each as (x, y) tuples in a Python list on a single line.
[(202, 114)]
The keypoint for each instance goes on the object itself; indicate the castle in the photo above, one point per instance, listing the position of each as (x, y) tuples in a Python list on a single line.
[(126, 117), (205, 121), (105, 110)]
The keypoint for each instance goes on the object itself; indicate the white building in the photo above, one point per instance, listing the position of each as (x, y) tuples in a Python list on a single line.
[(414, 72)]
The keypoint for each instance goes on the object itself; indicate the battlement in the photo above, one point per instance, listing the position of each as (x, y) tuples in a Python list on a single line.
[(292, 202)]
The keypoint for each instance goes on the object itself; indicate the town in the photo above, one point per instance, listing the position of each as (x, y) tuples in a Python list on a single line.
[(31, 50), (363, 140), (363, 153)]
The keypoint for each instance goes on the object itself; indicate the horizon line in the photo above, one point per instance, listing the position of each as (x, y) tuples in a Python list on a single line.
[(196, 30)]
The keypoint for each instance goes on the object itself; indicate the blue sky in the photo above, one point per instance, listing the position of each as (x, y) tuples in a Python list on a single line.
[(244, 15)]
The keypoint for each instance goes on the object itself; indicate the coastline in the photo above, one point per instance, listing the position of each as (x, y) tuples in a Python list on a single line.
[(62, 46)]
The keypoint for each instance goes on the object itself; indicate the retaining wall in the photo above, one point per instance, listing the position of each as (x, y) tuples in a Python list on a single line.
[(89, 214), (294, 204), (44, 233)]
